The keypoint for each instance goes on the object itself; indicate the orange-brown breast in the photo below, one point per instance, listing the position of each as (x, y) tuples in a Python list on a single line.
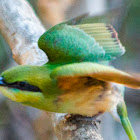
[(85, 95)]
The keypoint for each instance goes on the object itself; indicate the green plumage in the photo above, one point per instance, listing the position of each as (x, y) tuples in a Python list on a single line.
[(65, 43)]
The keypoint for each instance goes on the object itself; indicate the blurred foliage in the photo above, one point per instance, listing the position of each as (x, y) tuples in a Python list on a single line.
[(130, 35), (130, 31)]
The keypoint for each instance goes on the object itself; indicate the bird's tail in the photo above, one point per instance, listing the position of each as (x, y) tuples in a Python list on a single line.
[(122, 112)]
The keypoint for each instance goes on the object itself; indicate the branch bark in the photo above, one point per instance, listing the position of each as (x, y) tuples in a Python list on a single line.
[(47, 12), (21, 29)]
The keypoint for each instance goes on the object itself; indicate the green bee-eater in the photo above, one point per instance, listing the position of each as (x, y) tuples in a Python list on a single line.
[(77, 79)]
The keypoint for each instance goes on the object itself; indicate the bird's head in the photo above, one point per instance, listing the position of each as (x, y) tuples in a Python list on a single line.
[(24, 83)]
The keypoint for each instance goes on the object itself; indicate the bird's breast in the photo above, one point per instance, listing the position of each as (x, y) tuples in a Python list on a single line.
[(85, 95)]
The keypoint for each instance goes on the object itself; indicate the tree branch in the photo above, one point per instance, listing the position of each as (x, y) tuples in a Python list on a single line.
[(21, 29), (68, 127), (47, 12)]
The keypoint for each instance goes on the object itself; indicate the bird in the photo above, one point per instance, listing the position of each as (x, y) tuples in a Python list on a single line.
[(78, 79)]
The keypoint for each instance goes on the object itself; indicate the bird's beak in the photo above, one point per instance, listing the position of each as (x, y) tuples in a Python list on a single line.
[(2, 81)]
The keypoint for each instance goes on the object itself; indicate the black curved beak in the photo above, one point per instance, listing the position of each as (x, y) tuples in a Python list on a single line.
[(2, 83)]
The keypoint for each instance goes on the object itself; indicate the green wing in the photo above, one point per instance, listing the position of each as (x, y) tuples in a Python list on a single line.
[(65, 43), (98, 71)]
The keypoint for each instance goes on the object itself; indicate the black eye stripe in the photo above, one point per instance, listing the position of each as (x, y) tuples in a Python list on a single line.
[(23, 86)]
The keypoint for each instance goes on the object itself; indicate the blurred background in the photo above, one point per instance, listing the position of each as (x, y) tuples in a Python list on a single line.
[(18, 122)]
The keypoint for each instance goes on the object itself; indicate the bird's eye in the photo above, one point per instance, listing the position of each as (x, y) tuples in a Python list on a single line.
[(22, 84)]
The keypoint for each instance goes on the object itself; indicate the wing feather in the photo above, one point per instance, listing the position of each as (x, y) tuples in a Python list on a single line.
[(98, 71), (94, 42)]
